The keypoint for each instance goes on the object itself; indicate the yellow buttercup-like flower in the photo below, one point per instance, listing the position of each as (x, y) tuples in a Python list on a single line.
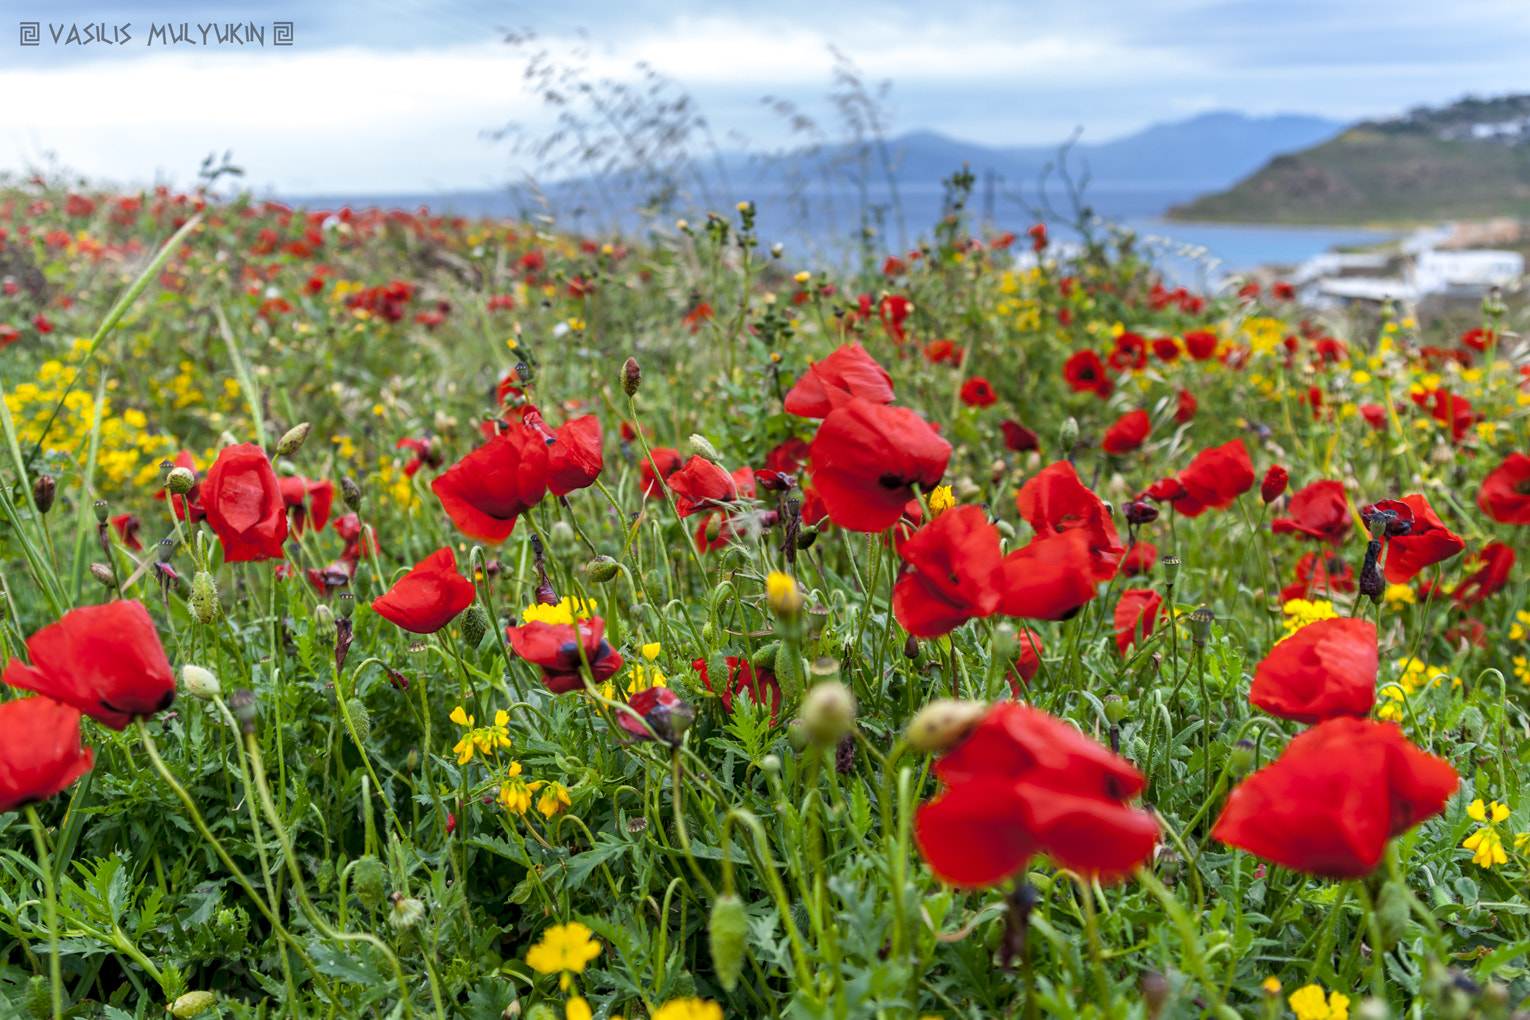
[(564, 949), (941, 500), (1478, 811), (564, 612), (688, 1009), (651, 650), (1309, 1003)]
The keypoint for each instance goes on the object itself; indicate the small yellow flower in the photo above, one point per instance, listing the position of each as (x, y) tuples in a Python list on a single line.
[(941, 500), (1301, 612), (486, 740), (564, 612), (514, 794), (1399, 595), (565, 948), (554, 798), (803, 277), (577, 1009), (1309, 1004), (1480, 812), (688, 1009), (1486, 847), (644, 677), (1271, 985), (781, 590), (651, 650)]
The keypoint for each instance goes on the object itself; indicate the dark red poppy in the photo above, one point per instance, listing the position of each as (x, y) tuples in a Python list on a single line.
[(40, 752), (1375, 416), (1139, 559), (106, 661), (866, 459), (978, 392), (425, 453), (244, 505), (1166, 490), (428, 597), (1320, 511), (848, 372), (1505, 492), (1019, 438), (484, 492), (1131, 352), (1416, 539), (1135, 615), (952, 573), (657, 467), (693, 319), (1200, 344), (1027, 661), (1166, 350), (127, 527), (1185, 407), (940, 352), (555, 647), (1055, 502), (759, 684), (895, 309), (701, 486), (1129, 432), (1085, 373), (1470, 630), (188, 506), (350, 529), (1494, 561), (1025, 783), (1215, 478), (307, 501), (664, 712), (1280, 290), (1325, 670), (1274, 484), (1330, 802), (788, 456)]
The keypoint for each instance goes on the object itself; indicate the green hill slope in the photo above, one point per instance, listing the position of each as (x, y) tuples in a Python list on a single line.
[(1467, 161)]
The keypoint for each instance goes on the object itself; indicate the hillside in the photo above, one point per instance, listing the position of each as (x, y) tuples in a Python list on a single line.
[(1470, 160)]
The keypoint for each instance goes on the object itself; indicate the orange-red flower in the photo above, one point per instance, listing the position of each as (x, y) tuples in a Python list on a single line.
[(428, 597), (848, 372), (1135, 615)]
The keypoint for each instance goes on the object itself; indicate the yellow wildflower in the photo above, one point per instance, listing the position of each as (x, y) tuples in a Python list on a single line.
[(1300, 612), (644, 677), (485, 739), (554, 798), (577, 1008), (651, 650), (941, 500), (688, 1009), (1399, 595), (781, 591), (566, 948), (1486, 847), (564, 612), (1480, 812), (1271, 985), (1309, 1004), (1517, 629), (514, 794)]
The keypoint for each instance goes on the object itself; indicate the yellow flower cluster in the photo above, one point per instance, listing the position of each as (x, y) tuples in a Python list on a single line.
[(563, 949), (1300, 612), (1309, 1003), (564, 612)]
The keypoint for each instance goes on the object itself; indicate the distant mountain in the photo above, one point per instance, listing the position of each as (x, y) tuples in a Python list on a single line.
[(1468, 160)]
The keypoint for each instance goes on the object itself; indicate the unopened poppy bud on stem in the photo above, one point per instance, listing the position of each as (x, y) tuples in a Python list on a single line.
[(351, 493), (943, 723), (192, 1004), (180, 481), (103, 573), (1067, 435), (204, 598), (242, 704), (601, 569), (702, 447), (292, 441), (200, 683), (1115, 709), (632, 377), (43, 491), (828, 713), (102, 509)]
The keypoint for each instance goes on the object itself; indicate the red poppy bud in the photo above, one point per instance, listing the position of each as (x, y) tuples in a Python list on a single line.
[(1274, 484)]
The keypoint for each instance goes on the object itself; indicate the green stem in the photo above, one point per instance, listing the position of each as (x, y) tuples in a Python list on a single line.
[(50, 904)]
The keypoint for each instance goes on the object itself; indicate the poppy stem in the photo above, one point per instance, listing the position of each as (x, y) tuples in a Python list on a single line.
[(1096, 954), (50, 906), (1378, 952)]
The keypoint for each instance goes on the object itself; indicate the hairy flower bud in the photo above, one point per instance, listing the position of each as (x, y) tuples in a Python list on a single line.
[(204, 598), (360, 718), (475, 624), (367, 879), (294, 438), (1067, 435), (200, 683), (828, 712), (726, 930), (632, 377), (180, 480), (602, 569), (43, 491), (702, 447), (351, 493), (103, 573), (943, 723)]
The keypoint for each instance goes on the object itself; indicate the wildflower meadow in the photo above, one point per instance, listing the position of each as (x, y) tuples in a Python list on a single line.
[(413, 616)]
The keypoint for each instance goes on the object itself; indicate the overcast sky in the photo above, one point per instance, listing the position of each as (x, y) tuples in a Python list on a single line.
[(398, 95)]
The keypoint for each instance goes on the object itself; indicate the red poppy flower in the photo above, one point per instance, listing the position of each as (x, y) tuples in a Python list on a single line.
[(1166, 490), (693, 319), (894, 309), (1166, 350), (1038, 232), (244, 504), (1055, 502), (1025, 783), (1330, 802), (305, 499), (1496, 560), (188, 506), (1282, 291), (1274, 484), (1320, 511), (1215, 478), (425, 454), (1375, 416), (788, 456), (484, 492), (1085, 373), (1505, 492), (938, 352), (104, 660), (1425, 542), (1185, 407), (866, 458), (1131, 352), (1479, 339), (701, 485), (1019, 438), (428, 597), (40, 752), (657, 467), (575, 458), (127, 527), (953, 573), (1027, 661), (1448, 409), (555, 647), (350, 529), (662, 710), (760, 685), (978, 392), (1315, 573), (1051, 576), (1325, 670), (1135, 615), (1139, 559), (1200, 344), (1129, 432), (848, 372)]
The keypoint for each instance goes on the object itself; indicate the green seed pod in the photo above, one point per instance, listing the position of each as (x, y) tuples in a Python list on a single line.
[(789, 671), (204, 598), (1067, 435), (39, 997), (180, 481), (828, 712), (601, 569), (103, 573), (324, 875), (103, 510), (796, 735), (561, 539), (475, 624), (351, 493), (1392, 913), (192, 1004), (199, 682), (367, 880), (717, 672), (293, 440), (360, 718), (726, 932), (701, 447), (764, 657), (721, 594)]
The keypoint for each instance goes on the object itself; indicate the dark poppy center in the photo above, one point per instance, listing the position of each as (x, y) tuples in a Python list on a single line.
[(891, 480), (1522, 486)]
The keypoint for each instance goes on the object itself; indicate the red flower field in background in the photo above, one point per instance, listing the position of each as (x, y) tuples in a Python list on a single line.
[(978, 392), (1494, 561), (1330, 802), (1320, 511), (428, 597), (307, 501), (866, 459), (244, 504), (106, 661), (1085, 373), (40, 752), (484, 492), (1325, 670), (1025, 783)]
